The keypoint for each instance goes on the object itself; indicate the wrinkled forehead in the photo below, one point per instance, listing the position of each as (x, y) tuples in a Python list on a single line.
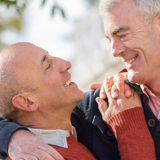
[(121, 15), (22, 58)]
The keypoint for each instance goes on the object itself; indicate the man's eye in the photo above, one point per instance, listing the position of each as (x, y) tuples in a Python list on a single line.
[(49, 65), (121, 36)]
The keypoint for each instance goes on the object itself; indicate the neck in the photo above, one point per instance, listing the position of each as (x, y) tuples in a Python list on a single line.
[(154, 86), (47, 120)]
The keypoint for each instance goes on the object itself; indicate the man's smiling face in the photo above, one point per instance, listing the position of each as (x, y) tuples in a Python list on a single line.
[(47, 75), (134, 40)]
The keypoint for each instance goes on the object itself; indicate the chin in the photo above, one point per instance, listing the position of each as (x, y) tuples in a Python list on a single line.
[(135, 78), (76, 101), (80, 96)]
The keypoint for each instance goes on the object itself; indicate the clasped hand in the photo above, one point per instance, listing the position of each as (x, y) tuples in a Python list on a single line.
[(119, 97)]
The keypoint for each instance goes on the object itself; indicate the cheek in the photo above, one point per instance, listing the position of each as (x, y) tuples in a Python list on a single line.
[(53, 79), (138, 37), (52, 87), (131, 44), (133, 41)]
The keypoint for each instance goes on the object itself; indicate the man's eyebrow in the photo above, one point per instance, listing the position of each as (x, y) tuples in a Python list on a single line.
[(43, 59), (119, 29)]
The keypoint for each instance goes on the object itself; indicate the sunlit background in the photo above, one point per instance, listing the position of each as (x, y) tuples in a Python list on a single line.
[(73, 31)]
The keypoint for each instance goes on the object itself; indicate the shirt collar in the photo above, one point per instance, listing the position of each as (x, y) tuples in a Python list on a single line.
[(56, 137), (147, 91)]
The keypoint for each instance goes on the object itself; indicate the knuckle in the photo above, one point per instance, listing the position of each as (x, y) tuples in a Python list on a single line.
[(107, 81), (24, 156), (114, 88), (103, 117), (120, 75)]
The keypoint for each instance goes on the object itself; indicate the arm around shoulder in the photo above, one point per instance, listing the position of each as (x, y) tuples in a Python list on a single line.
[(6, 131)]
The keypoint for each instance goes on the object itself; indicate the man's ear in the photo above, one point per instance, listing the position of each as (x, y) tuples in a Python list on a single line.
[(25, 101)]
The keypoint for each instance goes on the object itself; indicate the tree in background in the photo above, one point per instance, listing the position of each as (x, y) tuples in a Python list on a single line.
[(12, 19), (20, 5)]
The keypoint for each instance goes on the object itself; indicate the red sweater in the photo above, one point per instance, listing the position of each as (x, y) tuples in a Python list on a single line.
[(133, 137), (75, 150)]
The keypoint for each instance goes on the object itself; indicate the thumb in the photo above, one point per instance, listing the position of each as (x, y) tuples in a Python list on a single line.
[(95, 86), (102, 105)]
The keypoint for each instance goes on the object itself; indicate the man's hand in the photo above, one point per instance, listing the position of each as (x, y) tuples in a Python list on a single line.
[(24, 145), (114, 91), (121, 103), (94, 86)]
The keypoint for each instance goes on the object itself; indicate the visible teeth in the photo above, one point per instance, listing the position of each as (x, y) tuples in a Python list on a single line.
[(131, 60), (68, 83)]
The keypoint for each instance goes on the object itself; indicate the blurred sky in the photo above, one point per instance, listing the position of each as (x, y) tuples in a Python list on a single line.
[(50, 33)]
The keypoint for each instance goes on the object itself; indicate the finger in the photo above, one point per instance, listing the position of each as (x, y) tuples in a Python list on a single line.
[(25, 156), (29, 157), (114, 92), (108, 82), (47, 153), (56, 155), (137, 97), (119, 82), (102, 93), (127, 91), (125, 74), (94, 86), (102, 105)]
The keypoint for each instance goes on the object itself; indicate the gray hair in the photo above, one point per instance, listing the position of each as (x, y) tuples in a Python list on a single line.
[(149, 7), (8, 90)]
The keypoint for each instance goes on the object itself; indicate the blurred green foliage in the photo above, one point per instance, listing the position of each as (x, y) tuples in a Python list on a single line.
[(12, 19), (20, 6), (14, 23), (15, 20), (15, 3), (54, 8)]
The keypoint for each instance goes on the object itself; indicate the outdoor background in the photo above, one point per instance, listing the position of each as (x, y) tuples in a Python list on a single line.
[(70, 29)]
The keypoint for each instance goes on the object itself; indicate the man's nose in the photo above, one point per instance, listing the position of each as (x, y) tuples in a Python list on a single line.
[(117, 48), (65, 65)]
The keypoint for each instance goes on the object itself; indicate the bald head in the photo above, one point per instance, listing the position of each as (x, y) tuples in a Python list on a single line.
[(17, 49), (21, 59), (18, 68), (18, 53)]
